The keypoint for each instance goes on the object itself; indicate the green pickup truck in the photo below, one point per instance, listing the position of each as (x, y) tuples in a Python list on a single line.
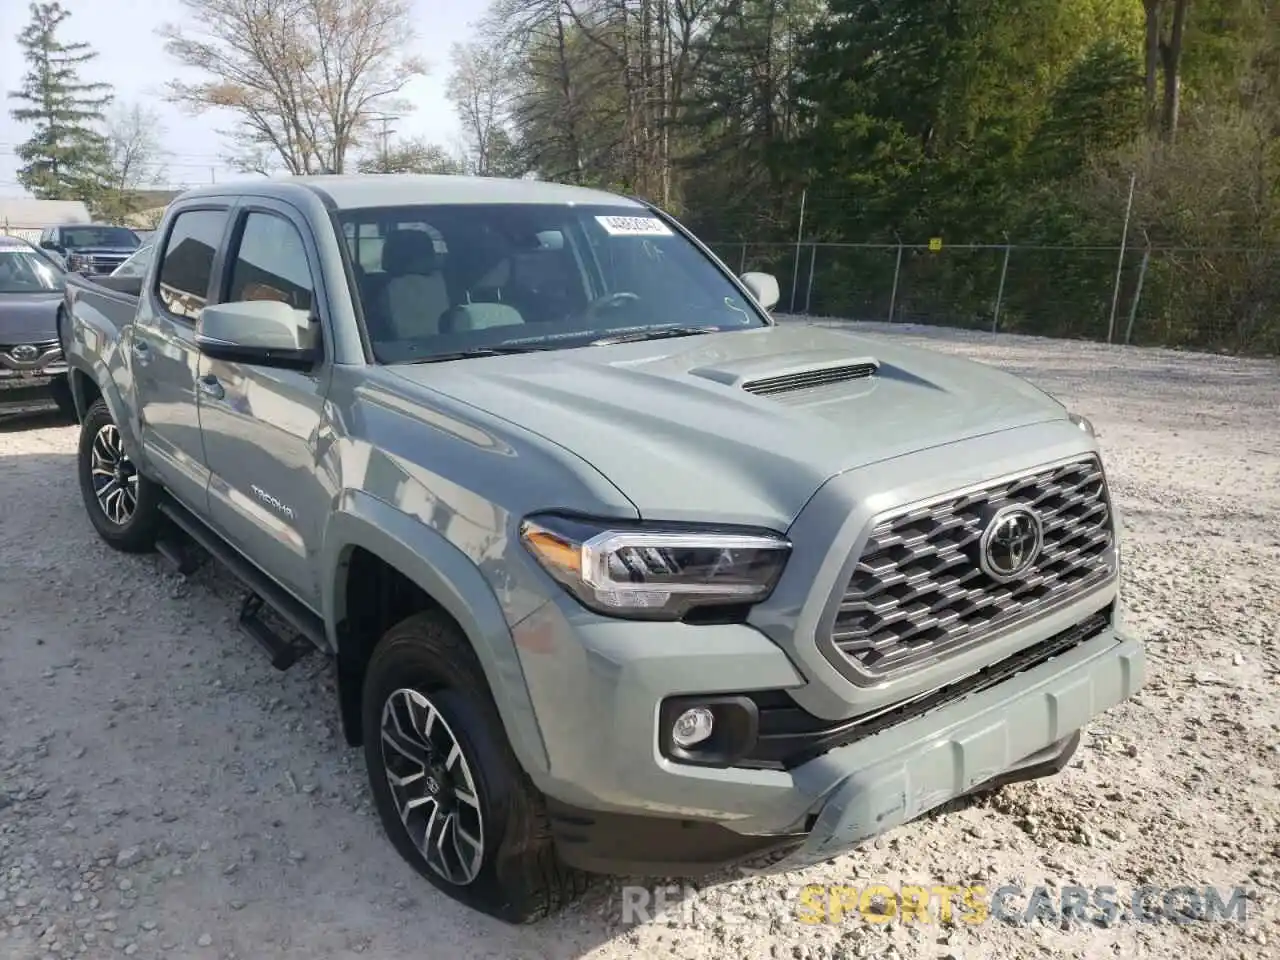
[(618, 573)]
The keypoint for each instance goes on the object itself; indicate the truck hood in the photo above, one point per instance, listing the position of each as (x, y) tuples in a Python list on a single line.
[(29, 317), (740, 427)]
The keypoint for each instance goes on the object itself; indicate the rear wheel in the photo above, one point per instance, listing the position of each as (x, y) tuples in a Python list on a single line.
[(123, 505), (451, 795)]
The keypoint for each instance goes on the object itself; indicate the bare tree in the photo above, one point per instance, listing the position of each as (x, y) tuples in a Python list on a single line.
[(1164, 63), (135, 159), (480, 88), (412, 156), (301, 76)]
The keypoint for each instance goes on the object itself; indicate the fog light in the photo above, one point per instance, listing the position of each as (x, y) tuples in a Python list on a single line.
[(692, 727)]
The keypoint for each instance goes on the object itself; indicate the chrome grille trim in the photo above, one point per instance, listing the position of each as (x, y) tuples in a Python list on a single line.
[(918, 593)]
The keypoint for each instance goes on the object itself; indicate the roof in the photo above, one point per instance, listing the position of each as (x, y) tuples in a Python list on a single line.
[(380, 189), (17, 212)]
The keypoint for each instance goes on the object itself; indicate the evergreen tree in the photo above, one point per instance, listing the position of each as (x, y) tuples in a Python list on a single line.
[(66, 156)]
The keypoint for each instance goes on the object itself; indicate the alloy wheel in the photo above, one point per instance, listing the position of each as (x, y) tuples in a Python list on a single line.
[(432, 786), (115, 479)]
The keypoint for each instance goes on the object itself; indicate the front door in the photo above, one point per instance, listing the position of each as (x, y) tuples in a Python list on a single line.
[(268, 494), (163, 357)]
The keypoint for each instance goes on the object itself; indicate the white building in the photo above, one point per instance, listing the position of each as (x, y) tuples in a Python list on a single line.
[(25, 217)]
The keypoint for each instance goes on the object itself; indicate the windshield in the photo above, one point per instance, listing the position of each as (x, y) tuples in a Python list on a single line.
[(24, 271), (80, 237), (438, 280)]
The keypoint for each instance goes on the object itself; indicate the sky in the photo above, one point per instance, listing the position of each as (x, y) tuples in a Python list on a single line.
[(132, 58)]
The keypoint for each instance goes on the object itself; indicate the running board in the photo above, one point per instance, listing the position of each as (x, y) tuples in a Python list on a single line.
[(280, 650), (264, 592), (176, 547)]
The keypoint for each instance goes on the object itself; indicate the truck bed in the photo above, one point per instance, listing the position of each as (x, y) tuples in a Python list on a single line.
[(110, 299)]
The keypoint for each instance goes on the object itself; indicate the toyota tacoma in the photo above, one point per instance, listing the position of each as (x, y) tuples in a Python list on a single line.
[(618, 573)]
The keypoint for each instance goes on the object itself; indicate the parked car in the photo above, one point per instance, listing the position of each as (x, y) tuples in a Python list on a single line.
[(94, 249), (32, 368), (618, 573)]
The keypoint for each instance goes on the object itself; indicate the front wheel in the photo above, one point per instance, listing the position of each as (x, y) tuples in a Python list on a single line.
[(123, 505), (451, 795)]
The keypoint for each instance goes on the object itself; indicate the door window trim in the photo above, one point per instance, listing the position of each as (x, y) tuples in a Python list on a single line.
[(289, 214), (219, 253)]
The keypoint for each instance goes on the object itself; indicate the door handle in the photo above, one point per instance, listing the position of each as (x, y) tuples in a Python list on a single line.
[(210, 387)]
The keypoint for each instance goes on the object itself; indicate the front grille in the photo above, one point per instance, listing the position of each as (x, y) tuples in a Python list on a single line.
[(105, 264), (918, 589)]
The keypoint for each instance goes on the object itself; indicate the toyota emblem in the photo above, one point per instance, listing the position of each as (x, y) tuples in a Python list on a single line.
[(1011, 543), (24, 353)]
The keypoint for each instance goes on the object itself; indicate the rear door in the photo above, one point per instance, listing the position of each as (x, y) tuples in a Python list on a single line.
[(263, 426), (162, 351)]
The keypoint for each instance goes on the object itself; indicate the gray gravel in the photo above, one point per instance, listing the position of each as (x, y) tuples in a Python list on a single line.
[(164, 793)]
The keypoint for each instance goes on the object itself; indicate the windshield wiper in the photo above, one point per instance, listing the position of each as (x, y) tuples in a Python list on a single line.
[(661, 333), (495, 351)]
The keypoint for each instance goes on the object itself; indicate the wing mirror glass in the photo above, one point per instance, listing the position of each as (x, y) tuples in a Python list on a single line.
[(268, 333), (764, 287)]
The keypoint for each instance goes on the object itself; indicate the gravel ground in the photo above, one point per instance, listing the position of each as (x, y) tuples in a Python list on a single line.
[(164, 793)]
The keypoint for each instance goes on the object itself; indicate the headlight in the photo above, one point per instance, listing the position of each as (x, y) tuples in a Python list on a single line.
[(1083, 423), (654, 573)]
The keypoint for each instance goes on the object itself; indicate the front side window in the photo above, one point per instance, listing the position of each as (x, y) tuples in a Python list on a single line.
[(25, 271), (185, 271), (437, 280), (271, 264)]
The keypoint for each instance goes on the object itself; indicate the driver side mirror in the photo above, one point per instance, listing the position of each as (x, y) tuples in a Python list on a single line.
[(50, 245), (264, 332), (764, 287)]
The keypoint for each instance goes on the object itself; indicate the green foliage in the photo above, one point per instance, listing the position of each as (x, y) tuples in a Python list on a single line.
[(66, 156), (985, 122)]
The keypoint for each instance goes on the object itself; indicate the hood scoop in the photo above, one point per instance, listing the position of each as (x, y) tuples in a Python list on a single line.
[(811, 378), (773, 375)]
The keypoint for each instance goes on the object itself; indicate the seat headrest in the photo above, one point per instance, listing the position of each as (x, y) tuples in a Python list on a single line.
[(479, 316), (408, 251)]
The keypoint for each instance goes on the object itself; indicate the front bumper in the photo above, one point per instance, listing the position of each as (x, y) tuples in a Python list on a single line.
[(619, 806), (27, 381)]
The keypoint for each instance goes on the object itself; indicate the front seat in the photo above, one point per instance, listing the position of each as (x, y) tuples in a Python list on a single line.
[(414, 294)]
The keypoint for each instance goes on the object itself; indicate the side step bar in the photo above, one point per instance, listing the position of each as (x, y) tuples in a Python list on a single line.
[(283, 651)]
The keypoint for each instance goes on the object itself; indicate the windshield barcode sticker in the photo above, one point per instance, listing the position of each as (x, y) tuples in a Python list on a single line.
[(634, 226)]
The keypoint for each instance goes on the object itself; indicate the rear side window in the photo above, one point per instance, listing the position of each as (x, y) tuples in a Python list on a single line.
[(187, 266)]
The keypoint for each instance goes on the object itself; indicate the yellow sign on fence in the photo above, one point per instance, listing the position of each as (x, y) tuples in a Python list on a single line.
[(935, 244)]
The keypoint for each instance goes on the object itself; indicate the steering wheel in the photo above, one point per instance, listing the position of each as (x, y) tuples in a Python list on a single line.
[(612, 300)]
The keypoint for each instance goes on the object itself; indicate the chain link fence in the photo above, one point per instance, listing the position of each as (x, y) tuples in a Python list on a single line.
[(1224, 299)]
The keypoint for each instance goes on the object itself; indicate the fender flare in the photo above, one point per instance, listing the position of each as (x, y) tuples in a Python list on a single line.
[(449, 577)]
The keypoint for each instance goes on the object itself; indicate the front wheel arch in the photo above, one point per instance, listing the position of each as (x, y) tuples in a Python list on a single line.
[(443, 578)]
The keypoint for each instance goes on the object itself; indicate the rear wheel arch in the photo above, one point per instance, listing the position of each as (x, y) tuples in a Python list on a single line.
[(380, 578), (84, 391)]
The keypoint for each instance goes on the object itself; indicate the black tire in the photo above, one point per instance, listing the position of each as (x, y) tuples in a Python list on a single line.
[(519, 878), (135, 533), (60, 390)]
